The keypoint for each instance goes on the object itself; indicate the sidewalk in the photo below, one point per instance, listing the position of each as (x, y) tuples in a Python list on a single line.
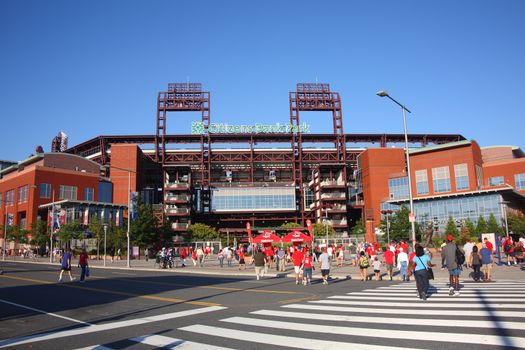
[(211, 267)]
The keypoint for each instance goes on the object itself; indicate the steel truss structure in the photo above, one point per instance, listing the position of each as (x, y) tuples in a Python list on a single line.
[(190, 173)]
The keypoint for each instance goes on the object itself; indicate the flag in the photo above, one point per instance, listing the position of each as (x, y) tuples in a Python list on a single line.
[(117, 218), (86, 217), (133, 206), (10, 219), (249, 231), (309, 227), (56, 218)]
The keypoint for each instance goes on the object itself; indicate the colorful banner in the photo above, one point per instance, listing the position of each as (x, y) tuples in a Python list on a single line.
[(248, 228), (10, 219), (86, 216), (117, 218)]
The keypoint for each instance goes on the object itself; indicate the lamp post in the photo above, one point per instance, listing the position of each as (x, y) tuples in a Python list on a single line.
[(387, 214), (326, 224), (383, 93), (4, 246), (51, 255), (504, 210), (105, 234)]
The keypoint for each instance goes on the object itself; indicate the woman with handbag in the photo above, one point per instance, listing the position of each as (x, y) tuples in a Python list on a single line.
[(422, 263)]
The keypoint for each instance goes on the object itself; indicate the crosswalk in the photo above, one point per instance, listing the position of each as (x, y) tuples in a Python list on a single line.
[(486, 315)]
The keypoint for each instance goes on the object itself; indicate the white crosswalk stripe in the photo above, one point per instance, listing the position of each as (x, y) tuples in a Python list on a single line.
[(388, 317)]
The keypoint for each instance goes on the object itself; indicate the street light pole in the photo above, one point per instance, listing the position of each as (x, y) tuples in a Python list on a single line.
[(326, 224), (105, 234), (387, 213), (52, 225), (4, 246), (383, 93), (504, 205)]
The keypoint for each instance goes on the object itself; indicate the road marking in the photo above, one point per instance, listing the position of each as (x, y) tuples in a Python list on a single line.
[(96, 347), (409, 297), (26, 279), (383, 333), (105, 327), (124, 273), (391, 320), (435, 293), (400, 311), (160, 341), (45, 312), (148, 297), (420, 304), (280, 340)]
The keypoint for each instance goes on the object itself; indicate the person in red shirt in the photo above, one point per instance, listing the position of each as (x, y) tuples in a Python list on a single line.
[(297, 258), (404, 246), (83, 263), (242, 264), (488, 244), (389, 258), (307, 268)]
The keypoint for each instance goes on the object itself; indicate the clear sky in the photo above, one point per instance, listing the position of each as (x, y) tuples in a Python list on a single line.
[(92, 68)]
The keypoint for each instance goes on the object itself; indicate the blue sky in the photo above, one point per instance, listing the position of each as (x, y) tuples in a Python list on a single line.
[(93, 68)]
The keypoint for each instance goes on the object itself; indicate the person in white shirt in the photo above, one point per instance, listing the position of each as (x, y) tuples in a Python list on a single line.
[(467, 248), (402, 264)]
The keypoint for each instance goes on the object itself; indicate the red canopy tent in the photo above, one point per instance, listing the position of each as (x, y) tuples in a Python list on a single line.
[(267, 237), (296, 236)]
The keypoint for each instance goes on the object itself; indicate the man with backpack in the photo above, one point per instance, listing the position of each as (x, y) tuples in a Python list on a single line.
[(454, 259)]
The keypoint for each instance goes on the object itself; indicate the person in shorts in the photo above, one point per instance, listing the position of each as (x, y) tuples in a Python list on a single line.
[(389, 258), (486, 262), (297, 258), (307, 268), (449, 254), (66, 265), (259, 260), (324, 264)]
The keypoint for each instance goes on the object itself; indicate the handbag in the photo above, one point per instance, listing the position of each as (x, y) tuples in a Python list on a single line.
[(430, 272)]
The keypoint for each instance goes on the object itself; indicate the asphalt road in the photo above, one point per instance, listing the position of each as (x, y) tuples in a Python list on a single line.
[(130, 309)]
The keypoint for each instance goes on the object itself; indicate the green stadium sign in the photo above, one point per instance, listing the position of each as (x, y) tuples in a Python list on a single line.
[(197, 128)]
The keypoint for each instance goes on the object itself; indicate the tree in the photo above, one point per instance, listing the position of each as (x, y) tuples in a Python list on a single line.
[(291, 225), (143, 231), (359, 228), (320, 229), (202, 232), (492, 225), (516, 223), (481, 227), (17, 235), (40, 237), (117, 237), (451, 228), (97, 228), (468, 231), (69, 231), (400, 226)]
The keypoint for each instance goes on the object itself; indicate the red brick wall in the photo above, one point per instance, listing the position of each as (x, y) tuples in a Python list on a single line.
[(125, 156)]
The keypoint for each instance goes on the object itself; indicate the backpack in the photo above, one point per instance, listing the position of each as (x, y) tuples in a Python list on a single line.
[(460, 257), (363, 262), (506, 248)]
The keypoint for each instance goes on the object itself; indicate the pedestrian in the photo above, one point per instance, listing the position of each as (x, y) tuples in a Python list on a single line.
[(194, 257), (66, 265), (377, 268), (389, 257), (324, 265), (449, 253), (229, 256), (363, 264), (220, 257), (475, 263), (259, 260), (467, 248), (487, 260), (297, 258), (183, 256), (307, 268), (402, 264), (340, 256), (200, 256), (281, 255), (83, 264), (421, 263), (242, 263)]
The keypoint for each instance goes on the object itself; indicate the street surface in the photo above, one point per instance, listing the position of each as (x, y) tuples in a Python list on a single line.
[(140, 309)]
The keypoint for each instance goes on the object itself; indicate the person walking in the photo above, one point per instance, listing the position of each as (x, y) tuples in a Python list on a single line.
[(402, 264), (83, 263), (475, 263), (200, 256), (377, 268), (449, 255), (421, 263), (297, 258), (324, 265), (281, 256), (242, 263), (389, 258), (487, 260), (66, 265), (259, 260), (363, 266), (307, 268), (220, 257)]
